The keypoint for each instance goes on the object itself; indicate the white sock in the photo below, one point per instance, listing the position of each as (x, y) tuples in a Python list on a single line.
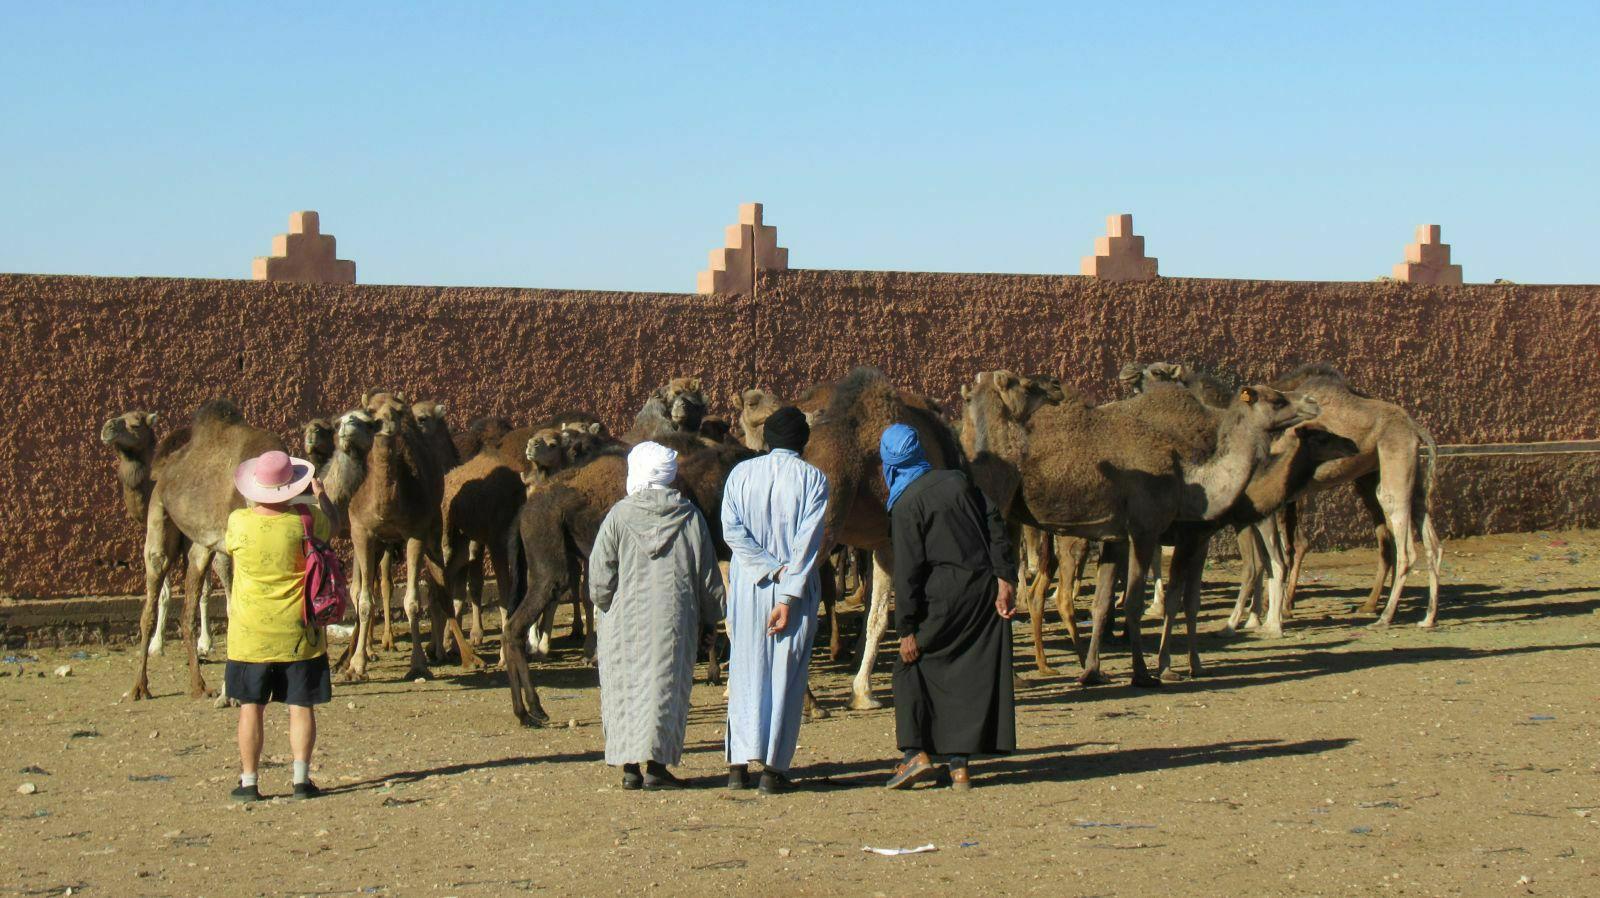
[(302, 772), (247, 779)]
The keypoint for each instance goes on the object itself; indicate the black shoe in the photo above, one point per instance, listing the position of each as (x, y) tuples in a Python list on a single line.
[(307, 789), (738, 777), (631, 778), (245, 793), (774, 783), (657, 776)]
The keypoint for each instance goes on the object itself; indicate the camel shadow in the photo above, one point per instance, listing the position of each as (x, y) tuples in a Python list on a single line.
[(1322, 662), (405, 777), (1071, 768)]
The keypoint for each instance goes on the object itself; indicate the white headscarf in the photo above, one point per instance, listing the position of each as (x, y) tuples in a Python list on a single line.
[(651, 466)]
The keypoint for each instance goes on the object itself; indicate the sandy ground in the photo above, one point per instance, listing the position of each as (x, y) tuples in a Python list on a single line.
[(1336, 761)]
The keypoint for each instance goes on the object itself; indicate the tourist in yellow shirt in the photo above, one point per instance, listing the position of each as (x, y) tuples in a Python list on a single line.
[(273, 655)]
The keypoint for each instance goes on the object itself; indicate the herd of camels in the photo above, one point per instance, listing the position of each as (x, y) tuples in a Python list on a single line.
[(1185, 455)]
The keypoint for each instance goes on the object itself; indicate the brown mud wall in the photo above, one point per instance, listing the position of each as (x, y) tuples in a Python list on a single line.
[(1475, 364)]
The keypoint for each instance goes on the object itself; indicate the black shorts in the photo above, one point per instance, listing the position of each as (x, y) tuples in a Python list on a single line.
[(303, 683)]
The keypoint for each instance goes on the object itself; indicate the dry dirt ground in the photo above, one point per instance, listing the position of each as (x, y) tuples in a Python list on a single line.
[(1337, 761)]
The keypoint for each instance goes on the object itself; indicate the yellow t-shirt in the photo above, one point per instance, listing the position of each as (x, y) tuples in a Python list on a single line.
[(265, 619)]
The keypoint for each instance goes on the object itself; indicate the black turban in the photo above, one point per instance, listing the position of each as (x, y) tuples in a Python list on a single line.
[(787, 429)]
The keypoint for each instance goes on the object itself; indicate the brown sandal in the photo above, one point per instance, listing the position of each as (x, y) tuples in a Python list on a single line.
[(909, 773)]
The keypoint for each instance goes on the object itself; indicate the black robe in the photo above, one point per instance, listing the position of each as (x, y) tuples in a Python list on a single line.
[(950, 551)]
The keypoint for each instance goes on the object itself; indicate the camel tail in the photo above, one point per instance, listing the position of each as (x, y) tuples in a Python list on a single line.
[(1430, 451), (516, 570)]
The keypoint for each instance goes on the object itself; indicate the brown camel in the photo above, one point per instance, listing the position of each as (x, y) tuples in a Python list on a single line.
[(556, 529), (191, 499), (848, 418), (399, 501), (1122, 472), (675, 408), (132, 437), (1397, 495), (482, 434)]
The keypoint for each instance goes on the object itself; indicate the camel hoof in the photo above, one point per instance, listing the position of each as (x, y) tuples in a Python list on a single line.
[(202, 692), (1274, 632), (351, 675), (1425, 625), (139, 693), (387, 645), (474, 664), (1093, 678), (864, 703), (1172, 676), (1196, 672), (1145, 681), (418, 673), (530, 721), (1045, 670), (156, 650), (224, 702), (817, 712), (1379, 624)]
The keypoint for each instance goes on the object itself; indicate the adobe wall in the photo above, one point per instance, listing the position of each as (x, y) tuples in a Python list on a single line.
[(1476, 364)]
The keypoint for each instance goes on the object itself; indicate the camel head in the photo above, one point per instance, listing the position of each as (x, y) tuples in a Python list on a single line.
[(317, 438), (353, 432), (430, 417), (545, 449), (131, 433), (685, 403), (482, 435), (391, 411), (1317, 444), (580, 441), (1275, 410), (716, 429), (996, 396), (754, 407)]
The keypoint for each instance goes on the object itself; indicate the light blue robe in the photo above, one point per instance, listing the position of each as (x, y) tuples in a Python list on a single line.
[(772, 517)]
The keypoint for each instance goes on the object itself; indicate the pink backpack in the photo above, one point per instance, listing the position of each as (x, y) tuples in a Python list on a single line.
[(327, 594)]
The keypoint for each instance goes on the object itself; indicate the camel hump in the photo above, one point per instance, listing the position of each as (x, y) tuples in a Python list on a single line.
[(218, 411), (864, 387)]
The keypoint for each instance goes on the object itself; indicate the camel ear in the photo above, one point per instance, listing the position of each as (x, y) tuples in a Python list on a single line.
[(1131, 374), (150, 418), (693, 385), (1249, 395), (402, 398), (737, 401), (596, 428), (366, 399), (440, 408), (966, 392)]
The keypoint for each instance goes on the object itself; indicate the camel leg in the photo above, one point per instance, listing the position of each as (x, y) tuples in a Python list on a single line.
[(1395, 491), (475, 595), (158, 643), (539, 636), (1158, 584), (1043, 573), (385, 568), (413, 608), (877, 624), (1272, 545), (194, 578), (524, 695), (1070, 553), (1144, 551), (160, 545), (1192, 575), (1433, 554), (1176, 580), (1249, 577), (1104, 594), (1295, 544), (365, 568), (1367, 491), (204, 644), (831, 582)]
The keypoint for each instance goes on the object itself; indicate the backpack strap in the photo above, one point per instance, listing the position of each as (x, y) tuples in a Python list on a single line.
[(307, 525)]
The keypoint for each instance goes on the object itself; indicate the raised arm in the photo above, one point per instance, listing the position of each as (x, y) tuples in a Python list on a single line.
[(603, 565), (808, 541), (736, 534)]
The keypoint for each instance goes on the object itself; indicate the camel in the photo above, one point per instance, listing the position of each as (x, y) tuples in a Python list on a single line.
[(399, 501), (436, 431), (482, 434), (676, 407), (132, 437), (1397, 496), (556, 528), (191, 499), (318, 438), (1121, 473), (847, 419), (1383, 471)]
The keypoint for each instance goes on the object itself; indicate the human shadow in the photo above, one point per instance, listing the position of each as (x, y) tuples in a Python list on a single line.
[(1058, 768), (404, 777)]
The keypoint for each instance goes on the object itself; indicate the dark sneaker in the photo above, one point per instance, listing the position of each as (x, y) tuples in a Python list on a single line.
[(658, 777), (307, 789), (245, 793), (738, 777), (774, 783), (631, 778), (909, 773)]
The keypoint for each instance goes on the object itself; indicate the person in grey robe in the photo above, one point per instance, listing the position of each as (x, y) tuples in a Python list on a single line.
[(656, 588), (772, 519)]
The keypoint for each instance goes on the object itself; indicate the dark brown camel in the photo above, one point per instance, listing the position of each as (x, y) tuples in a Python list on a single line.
[(556, 529)]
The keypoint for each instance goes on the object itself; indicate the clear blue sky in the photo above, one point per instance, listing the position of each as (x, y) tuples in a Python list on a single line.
[(607, 145)]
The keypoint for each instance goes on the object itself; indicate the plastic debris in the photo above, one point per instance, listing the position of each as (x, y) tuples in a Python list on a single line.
[(1360, 830), (80, 655), (64, 670), (972, 844), (149, 778), (897, 852), (20, 659), (1542, 717), (27, 789), (1092, 824)]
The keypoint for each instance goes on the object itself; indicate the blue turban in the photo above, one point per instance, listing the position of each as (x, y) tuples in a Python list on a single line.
[(903, 459)]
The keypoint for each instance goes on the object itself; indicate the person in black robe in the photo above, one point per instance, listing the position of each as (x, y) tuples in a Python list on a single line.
[(955, 592)]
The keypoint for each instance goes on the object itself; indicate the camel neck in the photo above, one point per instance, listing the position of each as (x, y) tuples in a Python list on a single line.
[(1224, 476)]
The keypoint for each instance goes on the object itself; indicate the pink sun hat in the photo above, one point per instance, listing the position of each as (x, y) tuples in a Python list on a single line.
[(272, 477)]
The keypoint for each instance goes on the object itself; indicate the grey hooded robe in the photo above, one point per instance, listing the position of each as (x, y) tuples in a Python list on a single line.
[(655, 584)]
